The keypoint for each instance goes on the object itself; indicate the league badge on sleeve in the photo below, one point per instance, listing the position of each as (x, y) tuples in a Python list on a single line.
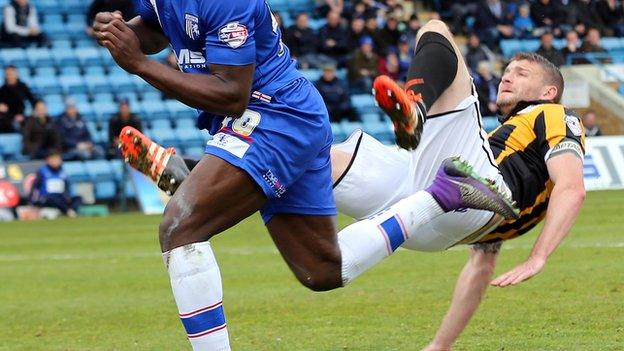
[(233, 34), (574, 124)]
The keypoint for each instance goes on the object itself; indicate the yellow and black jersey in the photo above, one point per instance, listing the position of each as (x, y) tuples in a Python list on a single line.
[(521, 146)]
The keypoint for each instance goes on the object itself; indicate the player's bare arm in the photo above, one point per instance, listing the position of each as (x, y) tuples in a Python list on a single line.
[(568, 194), (225, 91)]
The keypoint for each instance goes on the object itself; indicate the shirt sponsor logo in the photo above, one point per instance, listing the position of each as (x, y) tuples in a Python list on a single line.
[(191, 59), (229, 143), (192, 26), (274, 183), (233, 34)]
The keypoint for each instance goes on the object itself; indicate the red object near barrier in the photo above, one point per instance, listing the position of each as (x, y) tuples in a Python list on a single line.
[(9, 196)]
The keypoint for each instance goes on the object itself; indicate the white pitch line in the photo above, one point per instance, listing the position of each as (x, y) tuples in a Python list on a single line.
[(242, 251)]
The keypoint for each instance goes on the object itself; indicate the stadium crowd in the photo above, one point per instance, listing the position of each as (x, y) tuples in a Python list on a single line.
[(348, 44)]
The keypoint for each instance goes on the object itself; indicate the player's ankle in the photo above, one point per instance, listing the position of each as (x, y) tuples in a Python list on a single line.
[(434, 346)]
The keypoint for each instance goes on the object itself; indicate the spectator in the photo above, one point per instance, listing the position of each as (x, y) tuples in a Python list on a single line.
[(486, 84), (123, 118), (589, 122), (413, 26), (405, 57), (459, 10), (592, 45), (324, 7), (476, 52), (126, 7), (76, 139), (356, 31), (21, 25), (40, 134), (582, 15), (371, 30), (389, 35), (523, 23), (389, 66), (302, 42), (571, 47), (363, 66), (333, 39), (548, 15), (612, 16), (51, 187), (13, 93), (547, 50), (6, 121), (492, 22), (335, 93)]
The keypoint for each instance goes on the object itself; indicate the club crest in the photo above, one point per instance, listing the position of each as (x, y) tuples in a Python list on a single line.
[(192, 26)]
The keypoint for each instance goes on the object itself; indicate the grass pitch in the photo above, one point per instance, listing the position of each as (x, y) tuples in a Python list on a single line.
[(100, 284)]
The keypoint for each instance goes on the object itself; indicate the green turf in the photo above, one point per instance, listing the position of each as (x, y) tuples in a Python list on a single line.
[(99, 284)]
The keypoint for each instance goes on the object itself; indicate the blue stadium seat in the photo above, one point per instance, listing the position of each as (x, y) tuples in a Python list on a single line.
[(140, 85), (24, 73), (44, 71), (164, 136), (14, 56), (510, 47), (364, 103), (490, 123), (69, 71), (380, 130), (38, 57), (85, 108), (104, 97), (53, 99), (104, 110), (55, 30), (11, 146), (312, 74), (179, 110), (98, 84), (107, 59), (121, 83), (189, 137), (338, 132), (80, 98), (103, 178), (154, 109), (530, 45), (77, 18), (47, 84), (52, 17), (88, 56), (153, 95), (194, 151), (132, 97), (90, 71), (58, 44), (73, 85), (341, 73), (64, 57), (611, 43), (86, 43), (76, 171), (161, 124), (185, 123), (370, 117), (48, 6)]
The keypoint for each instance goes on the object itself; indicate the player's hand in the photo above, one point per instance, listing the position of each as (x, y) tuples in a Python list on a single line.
[(525, 271), (123, 44)]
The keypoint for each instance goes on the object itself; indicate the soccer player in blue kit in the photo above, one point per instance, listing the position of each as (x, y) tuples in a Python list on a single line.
[(270, 153)]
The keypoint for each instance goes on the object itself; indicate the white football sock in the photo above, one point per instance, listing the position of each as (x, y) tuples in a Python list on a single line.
[(196, 285), (363, 244)]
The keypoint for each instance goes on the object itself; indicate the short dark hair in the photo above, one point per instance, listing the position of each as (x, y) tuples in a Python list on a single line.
[(553, 74)]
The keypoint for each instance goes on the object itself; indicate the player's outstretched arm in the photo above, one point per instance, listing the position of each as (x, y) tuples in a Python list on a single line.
[(568, 194), (469, 291), (151, 37), (225, 91)]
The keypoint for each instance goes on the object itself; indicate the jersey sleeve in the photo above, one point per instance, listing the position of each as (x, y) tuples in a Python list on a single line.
[(561, 127), (230, 30), (145, 9)]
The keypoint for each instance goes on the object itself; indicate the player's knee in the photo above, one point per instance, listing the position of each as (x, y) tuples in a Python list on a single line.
[(324, 276), (172, 226)]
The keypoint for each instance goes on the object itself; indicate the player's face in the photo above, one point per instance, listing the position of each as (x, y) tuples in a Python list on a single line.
[(521, 81)]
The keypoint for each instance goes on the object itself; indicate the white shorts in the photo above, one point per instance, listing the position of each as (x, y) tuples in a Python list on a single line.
[(380, 175)]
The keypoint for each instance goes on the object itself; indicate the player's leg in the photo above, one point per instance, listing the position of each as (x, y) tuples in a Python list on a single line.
[(438, 80), (214, 197)]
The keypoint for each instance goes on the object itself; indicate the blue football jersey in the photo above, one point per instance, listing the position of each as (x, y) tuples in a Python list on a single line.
[(232, 32)]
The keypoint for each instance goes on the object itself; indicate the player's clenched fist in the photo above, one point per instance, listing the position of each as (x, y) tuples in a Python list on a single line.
[(113, 33)]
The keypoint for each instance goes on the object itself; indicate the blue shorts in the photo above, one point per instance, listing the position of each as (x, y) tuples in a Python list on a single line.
[(283, 142)]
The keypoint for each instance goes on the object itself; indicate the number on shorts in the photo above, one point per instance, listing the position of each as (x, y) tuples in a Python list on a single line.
[(246, 123)]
